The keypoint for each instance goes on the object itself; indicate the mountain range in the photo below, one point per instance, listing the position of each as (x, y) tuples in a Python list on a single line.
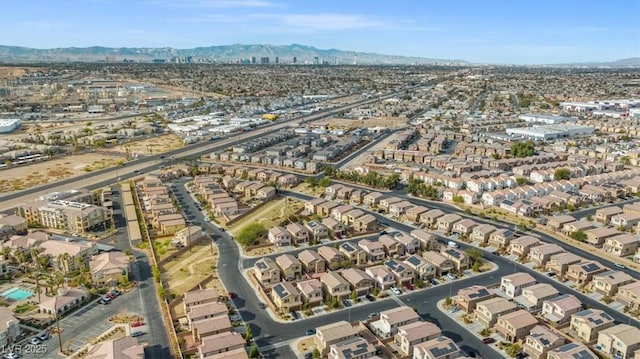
[(239, 52), (224, 53)]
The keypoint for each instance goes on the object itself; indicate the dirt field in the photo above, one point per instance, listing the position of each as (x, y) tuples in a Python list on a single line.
[(150, 146), (190, 268), (22, 177), (269, 215), (10, 72), (389, 122)]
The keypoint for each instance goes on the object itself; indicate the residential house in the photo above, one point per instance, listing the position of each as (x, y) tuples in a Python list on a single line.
[(467, 298), (109, 268), (622, 246), (391, 319), (373, 199), (482, 233), (511, 285), (356, 255), (359, 280), (205, 311), (558, 311), (383, 277), (290, 267), (533, 296), (516, 325), (577, 226), (413, 214), (571, 350), (386, 202), (415, 333), (438, 348), (311, 206), (266, 193), (391, 245), (427, 240), (443, 264), (279, 236), (539, 341), (266, 271), (65, 301), (625, 221), (619, 341), (332, 191), (67, 256), (299, 233), (210, 326), (409, 243), (352, 348), (430, 218), (583, 272), (329, 334), (357, 197), (604, 215), (317, 230), (374, 249), (311, 261), (333, 257), (335, 228), (607, 283), (423, 269), (557, 222), (460, 259), (464, 227), (340, 211), (349, 218), (220, 343), (521, 246), (559, 263), (199, 297), (500, 238), (335, 285), (588, 323), (404, 275), (446, 222), (488, 311), (311, 291), (366, 223), (629, 295), (597, 236), (540, 255), (286, 297), (324, 209)]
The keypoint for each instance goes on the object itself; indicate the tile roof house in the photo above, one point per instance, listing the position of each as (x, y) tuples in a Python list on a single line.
[(619, 341), (583, 272), (329, 334), (597, 236), (311, 291), (391, 319), (351, 348), (427, 240), (521, 246), (290, 266), (464, 227), (382, 275), (205, 311), (622, 246), (539, 255), (220, 343), (391, 245), (460, 259), (410, 243), (335, 285), (374, 249), (359, 280), (198, 297), (488, 311), (333, 257), (557, 311), (122, 348), (279, 236), (629, 295), (422, 269), (311, 261), (210, 326), (438, 348), (415, 333), (286, 297), (588, 323), (607, 283), (500, 238), (532, 297), (109, 267), (571, 350), (467, 298), (539, 341), (481, 233), (430, 218), (266, 271), (403, 274), (559, 263), (366, 223), (356, 255), (512, 285), (443, 264), (516, 325), (446, 222), (299, 233)]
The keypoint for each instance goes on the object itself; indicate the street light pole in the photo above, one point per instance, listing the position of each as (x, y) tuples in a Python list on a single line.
[(55, 311)]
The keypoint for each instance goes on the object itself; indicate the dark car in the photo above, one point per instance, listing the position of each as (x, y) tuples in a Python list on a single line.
[(310, 332), (232, 295), (370, 298), (308, 355), (137, 333), (488, 340), (262, 305), (346, 303)]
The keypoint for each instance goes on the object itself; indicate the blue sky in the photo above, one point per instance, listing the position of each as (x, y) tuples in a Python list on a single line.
[(489, 31)]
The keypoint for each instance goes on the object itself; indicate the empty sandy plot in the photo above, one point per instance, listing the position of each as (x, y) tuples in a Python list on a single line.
[(22, 177), (150, 146), (269, 215), (388, 122)]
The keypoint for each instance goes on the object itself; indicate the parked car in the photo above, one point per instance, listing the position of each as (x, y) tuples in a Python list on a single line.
[(116, 292), (137, 333), (346, 303), (295, 315), (620, 265), (110, 295), (374, 315), (308, 355), (451, 276), (34, 340), (232, 295), (452, 244), (262, 305), (44, 336), (311, 331), (434, 281), (395, 291), (11, 356), (139, 323), (370, 298), (551, 274), (488, 340)]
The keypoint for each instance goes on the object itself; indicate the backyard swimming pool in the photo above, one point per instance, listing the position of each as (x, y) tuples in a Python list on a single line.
[(16, 293)]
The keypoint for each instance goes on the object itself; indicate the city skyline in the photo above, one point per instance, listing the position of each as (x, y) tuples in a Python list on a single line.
[(498, 32)]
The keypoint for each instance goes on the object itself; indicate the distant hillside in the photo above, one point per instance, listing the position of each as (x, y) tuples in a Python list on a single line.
[(629, 62), (223, 53)]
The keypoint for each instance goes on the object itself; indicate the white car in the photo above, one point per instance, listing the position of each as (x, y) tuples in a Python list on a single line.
[(34, 341), (452, 244), (395, 290)]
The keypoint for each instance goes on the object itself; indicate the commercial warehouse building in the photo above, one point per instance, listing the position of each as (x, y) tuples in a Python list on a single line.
[(546, 119), (550, 132)]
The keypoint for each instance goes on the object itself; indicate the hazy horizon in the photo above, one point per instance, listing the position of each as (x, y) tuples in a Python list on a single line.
[(497, 32)]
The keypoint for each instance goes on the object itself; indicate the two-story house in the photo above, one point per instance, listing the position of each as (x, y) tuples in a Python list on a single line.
[(558, 311), (511, 285), (329, 334), (422, 269), (374, 249), (359, 280), (533, 296), (311, 261), (335, 285), (290, 267), (583, 272), (266, 272), (391, 319), (286, 297), (619, 341), (467, 298), (607, 283), (588, 323), (310, 291), (516, 325), (539, 341), (334, 258), (382, 276), (488, 311), (415, 333), (622, 246)]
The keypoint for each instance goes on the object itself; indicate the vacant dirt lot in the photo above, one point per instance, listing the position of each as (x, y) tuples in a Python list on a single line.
[(389, 122), (150, 146), (190, 268), (270, 214), (22, 177)]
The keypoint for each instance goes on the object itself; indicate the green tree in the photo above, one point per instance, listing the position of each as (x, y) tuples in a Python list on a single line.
[(523, 149), (625, 160), (324, 182), (311, 181), (521, 181), (562, 174), (474, 254), (253, 351), (354, 296), (250, 233), (579, 236), (418, 282), (195, 170), (512, 350), (248, 333), (316, 354), (458, 199)]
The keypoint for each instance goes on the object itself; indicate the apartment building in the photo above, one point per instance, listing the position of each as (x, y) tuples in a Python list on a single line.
[(75, 217)]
